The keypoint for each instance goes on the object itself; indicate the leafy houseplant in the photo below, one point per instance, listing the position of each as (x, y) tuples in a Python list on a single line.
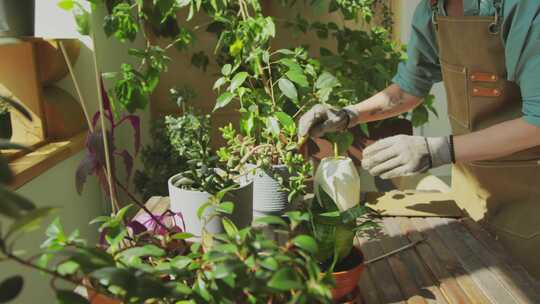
[(160, 159), (337, 216), (204, 175), (136, 265)]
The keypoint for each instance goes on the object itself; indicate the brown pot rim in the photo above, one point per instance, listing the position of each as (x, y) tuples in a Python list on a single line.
[(355, 268)]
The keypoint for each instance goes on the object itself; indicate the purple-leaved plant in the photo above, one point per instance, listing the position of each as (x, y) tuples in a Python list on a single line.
[(94, 161)]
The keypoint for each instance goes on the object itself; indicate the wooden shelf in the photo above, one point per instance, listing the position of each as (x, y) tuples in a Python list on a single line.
[(35, 163)]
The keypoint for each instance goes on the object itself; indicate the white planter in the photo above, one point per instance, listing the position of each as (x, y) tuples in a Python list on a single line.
[(338, 177), (188, 202)]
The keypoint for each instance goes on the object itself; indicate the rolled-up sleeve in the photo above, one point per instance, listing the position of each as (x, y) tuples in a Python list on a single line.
[(528, 74), (417, 74)]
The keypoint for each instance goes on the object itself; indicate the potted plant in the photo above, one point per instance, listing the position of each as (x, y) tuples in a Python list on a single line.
[(17, 18), (5, 120), (137, 264), (204, 176), (337, 215)]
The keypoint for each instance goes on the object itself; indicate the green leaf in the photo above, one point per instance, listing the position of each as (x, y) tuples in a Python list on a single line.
[(6, 176), (349, 216), (145, 251), (344, 238), (182, 236), (273, 126), (288, 89), (180, 262), (7, 145), (202, 209), (270, 263), (343, 140), (17, 106), (114, 276), (67, 268), (13, 205), (70, 297), (420, 116), (286, 120), (306, 243), (298, 77), (223, 100), (226, 207), (285, 279), (229, 227), (271, 220), (11, 288), (326, 81), (66, 4), (226, 70), (82, 19), (30, 221), (238, 80)]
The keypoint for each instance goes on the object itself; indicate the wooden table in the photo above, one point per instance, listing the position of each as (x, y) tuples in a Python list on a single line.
[(457, 261)]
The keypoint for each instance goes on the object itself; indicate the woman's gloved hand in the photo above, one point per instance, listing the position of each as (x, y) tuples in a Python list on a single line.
[(322, 119), (404, 155)]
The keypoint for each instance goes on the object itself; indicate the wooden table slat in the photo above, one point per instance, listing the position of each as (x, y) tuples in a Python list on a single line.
[(474, 264), (522, 278), (381, 271), (368, 289), (425, 281), (501, 271), (446, 281), (471, 289)]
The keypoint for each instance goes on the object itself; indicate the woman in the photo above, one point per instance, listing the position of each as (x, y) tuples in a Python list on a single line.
[(487, 52)]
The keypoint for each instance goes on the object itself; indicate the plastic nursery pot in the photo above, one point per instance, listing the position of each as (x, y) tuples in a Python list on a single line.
[(268, 197), (5, 125), (187, 202), (17, 18), (348, 274)]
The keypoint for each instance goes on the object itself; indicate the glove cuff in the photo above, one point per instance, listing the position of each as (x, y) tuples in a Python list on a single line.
[(351, 116), (440, 150)]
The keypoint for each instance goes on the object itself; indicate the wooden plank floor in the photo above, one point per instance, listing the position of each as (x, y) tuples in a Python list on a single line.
[(457, 262)]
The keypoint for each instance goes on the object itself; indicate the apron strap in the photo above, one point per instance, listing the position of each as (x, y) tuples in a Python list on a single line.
[(494, 28)]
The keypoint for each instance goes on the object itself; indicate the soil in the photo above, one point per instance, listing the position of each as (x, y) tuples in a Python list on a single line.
[(352, 260)]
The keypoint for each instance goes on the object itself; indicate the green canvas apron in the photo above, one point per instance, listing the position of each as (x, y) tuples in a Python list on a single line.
[(503, 194)]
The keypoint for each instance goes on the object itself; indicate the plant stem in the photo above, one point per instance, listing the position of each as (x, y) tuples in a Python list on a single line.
[(142, 206), (52, 273), (103, 126), (76, 85), (336, 150)]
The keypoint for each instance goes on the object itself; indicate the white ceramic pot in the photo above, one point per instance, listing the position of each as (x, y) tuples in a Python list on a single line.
[(338, 177), (188, 202)]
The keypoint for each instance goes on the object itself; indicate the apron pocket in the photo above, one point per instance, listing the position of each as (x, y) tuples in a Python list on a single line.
[(456, 84)]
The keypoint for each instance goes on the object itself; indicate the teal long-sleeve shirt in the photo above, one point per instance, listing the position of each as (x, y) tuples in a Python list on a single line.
[(521, 35)]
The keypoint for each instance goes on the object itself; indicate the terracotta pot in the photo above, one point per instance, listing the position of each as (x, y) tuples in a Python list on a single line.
[(52, 64), (95, 298), (347, 281)]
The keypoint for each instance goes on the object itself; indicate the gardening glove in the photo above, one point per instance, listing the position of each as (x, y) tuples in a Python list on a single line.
[(404, 155), (322, 119)]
